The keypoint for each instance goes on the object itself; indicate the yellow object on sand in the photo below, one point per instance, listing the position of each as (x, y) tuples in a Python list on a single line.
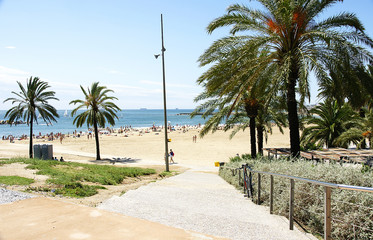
[(217, 164)]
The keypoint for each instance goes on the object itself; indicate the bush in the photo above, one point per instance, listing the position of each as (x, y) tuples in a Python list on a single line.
[(349, 208)]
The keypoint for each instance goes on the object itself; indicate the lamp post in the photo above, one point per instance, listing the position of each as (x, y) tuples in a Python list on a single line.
[(164, 100)]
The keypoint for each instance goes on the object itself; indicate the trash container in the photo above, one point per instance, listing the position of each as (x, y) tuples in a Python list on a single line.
[(37, 151), (216, 164), (47, 152)]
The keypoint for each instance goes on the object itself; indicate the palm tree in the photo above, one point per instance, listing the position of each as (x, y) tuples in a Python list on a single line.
[(291, 39), (360, 130), (98, 110), (326, 124), (32, 99), (228, 91)]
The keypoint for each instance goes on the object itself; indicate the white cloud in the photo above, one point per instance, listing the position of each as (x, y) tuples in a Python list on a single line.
[(114, 72), (151, 83), (10, 75), (12, 71), (10, 47)]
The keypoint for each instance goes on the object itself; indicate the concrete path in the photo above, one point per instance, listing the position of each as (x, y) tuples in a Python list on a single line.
[(201, 201), (47, 219)]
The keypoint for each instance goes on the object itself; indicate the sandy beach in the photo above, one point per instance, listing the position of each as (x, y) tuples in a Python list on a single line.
[(147, 148)]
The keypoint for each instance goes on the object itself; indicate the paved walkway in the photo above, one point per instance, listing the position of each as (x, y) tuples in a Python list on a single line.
[(48, 219), (201, 201)]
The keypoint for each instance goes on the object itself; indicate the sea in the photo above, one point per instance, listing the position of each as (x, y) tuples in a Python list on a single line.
[(136, 118)]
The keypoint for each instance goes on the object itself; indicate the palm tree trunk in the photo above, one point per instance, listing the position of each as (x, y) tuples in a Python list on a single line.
[(252, 137), (293, 111), (31, 138), (260, 130), (97, 140)]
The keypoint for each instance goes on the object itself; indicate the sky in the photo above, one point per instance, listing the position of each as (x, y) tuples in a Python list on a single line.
[(69, 43)]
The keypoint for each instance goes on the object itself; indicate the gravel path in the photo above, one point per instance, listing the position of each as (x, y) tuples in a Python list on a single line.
[(205, 203), (8, 196)]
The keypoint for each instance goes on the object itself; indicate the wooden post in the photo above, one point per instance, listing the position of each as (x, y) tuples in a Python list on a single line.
[(291, 205), (258, 189), (271, 197), (327, 212)]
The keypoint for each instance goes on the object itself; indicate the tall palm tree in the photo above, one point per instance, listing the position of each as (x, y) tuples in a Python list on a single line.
[(228, 91), (98, 110), (32, 99), (293, 41)]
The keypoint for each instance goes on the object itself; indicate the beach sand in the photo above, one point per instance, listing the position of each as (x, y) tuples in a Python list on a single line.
[(148, 148)]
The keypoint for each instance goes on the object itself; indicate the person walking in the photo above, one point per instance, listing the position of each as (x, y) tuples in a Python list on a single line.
[(172, 154)]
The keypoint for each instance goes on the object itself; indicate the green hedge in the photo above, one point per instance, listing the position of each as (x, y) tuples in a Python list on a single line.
[(349, 208)]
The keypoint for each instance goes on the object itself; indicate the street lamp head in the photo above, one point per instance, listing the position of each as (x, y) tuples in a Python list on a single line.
[(157, 55)]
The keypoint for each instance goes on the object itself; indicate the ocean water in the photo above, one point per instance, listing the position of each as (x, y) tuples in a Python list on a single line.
[(134, 118)]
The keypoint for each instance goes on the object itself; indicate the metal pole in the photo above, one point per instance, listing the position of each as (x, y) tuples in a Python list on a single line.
[(258, 189), (164, 101), (291, 205), (327, 213), (271, 197)]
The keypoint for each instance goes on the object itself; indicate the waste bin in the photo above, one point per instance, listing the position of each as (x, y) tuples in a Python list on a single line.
[(47, 152), (37, 151)]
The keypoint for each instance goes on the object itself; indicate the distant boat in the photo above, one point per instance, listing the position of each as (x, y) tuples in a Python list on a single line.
[(143, 109), (65, 114)]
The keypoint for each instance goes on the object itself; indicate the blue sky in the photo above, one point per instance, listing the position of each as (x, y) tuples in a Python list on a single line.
[(70, 43)]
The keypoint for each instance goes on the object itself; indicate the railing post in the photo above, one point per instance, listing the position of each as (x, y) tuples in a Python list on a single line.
[(271, 197), (239, 177), (251, 185), (245, 190), (258, 189), (291, 205), (327, 212)]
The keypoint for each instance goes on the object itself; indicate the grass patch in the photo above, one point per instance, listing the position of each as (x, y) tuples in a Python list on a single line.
[(15, 180), (67, 178), (165, 174), (348, 207)]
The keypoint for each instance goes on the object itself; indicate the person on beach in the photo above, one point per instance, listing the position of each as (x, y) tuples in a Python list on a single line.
[(172, 154)]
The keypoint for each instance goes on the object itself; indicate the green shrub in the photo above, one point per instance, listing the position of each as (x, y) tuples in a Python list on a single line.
[(349, 208)]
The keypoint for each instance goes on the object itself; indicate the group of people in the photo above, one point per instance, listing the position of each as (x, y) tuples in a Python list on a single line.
[(195, 138)]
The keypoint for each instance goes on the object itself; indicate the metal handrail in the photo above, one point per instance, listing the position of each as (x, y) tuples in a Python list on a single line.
[(325, 184), (247, 182)]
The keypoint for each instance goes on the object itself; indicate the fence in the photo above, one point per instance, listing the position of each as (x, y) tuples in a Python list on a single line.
[(246, 180)]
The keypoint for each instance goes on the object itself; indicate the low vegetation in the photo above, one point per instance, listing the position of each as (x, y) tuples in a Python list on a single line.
[(15, 180), (351, 211), (77, 179)]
